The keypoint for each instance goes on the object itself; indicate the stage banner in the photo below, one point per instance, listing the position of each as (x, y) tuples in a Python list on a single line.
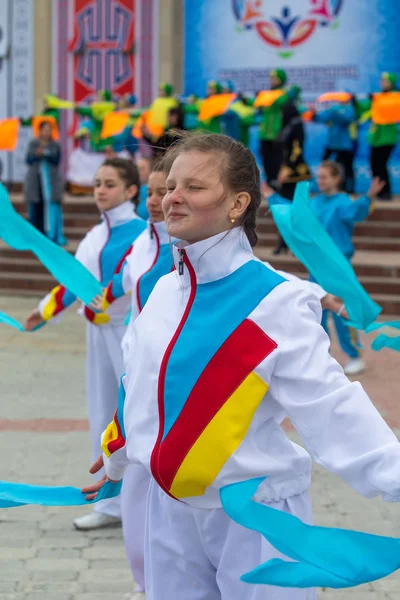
[(103, 45), (16, 79), (323, 45)]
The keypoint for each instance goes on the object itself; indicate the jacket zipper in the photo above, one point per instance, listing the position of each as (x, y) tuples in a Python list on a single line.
[(182, 255), (153, 233), (163, 368)]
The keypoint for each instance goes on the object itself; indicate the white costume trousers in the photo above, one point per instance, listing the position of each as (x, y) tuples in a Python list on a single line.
[(134, 492), (199, 554), (104, 369)]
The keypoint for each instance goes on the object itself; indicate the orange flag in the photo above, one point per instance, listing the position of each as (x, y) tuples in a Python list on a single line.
[(145, 119), (113, 124), (386, 108), (9, 130), (267, 98), (215, 106), (334, 97), (37, 121)]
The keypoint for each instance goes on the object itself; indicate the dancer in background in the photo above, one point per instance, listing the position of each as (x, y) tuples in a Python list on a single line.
[(338, 214), (340, 146), (383, 140), (271, 147), (116, 192), (43, 185), (294, 167)]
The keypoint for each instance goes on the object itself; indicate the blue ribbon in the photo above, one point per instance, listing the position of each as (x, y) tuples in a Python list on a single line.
[(383, 340), (11, 322), (313, 246), (323, 556), (19, 494), (21, 235)]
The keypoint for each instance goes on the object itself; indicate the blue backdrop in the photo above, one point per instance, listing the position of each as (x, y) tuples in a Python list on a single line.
[(324, 45)]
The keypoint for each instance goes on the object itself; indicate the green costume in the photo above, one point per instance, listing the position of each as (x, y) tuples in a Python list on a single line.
[(96, 112), (271, 116), (212, 125), (381, 135)]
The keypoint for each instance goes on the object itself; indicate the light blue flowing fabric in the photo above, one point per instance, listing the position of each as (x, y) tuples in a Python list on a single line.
[(323, 556), (313, 246), (19, 494), (383, 340), (21, 235), (52, 213), (11, 322), (44, 171)]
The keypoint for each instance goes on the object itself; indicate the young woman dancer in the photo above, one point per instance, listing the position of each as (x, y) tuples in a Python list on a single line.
[(149, 259), (116, 192), (224, 349)]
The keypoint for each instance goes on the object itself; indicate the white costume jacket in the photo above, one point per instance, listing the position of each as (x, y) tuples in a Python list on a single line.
[(224, 350)]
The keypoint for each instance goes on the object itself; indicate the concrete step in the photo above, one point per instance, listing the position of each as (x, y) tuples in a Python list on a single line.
[(71, 204), (32, 282)]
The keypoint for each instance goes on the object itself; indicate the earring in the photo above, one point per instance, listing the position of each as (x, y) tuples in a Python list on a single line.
[(233, 220)]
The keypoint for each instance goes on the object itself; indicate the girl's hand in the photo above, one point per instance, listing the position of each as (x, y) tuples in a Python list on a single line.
[(376, 186), (334, 304), (267, 190), (97, 303), (33, 320), (92, 490)]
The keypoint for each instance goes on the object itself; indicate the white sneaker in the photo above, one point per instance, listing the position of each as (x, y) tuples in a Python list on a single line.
[(355, 366), (96, 520)]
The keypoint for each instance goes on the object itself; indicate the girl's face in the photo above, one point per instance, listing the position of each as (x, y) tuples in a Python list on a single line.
[(110, 189), (197, 205), (155, 193), (45, 132), (386, 86), (327, 182)]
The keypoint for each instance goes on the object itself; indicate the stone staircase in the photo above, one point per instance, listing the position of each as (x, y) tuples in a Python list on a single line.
[(377, 261)]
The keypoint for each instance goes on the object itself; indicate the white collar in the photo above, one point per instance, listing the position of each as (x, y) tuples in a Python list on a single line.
[(216, 257), (161, 229), (123, 213)]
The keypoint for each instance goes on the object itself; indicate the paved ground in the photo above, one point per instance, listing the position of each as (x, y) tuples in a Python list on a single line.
[(44, 440)]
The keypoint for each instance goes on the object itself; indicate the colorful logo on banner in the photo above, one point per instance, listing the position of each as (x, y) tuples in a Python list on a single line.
[(103, 47), (287, 30)]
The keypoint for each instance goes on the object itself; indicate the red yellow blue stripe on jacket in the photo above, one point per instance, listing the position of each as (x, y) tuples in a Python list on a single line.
[(60, 298), (114, 436), (217, 414), (208, 390)]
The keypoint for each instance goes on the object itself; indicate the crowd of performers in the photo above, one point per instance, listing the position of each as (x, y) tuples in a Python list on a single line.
[(278, 114), (189, 396), (110, 127)]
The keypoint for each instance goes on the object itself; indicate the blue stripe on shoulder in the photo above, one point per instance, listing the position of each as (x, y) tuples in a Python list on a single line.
[(121, 238), (218, 309), (162, 267)]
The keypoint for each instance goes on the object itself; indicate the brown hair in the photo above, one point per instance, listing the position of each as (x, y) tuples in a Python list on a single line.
[(158, 165), (128, 172), (335, 169), (239, 170)]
